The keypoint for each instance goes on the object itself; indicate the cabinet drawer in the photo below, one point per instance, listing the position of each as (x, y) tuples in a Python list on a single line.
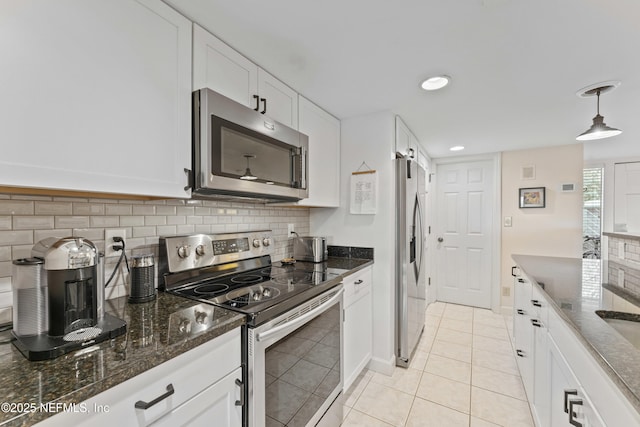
[(187, 374), (356, 286)]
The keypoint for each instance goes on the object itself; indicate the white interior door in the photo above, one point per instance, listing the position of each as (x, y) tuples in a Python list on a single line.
[(464, 211)]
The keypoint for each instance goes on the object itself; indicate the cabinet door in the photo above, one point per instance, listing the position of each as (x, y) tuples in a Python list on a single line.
[(357, 325), (216, 403), (277, 100), (564, 387), (523, 332), (540, 400), (404, 139), (97, 97), (324, 154), (220, 68)]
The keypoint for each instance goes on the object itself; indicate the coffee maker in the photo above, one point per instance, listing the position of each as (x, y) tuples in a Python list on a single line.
[(59, 299)]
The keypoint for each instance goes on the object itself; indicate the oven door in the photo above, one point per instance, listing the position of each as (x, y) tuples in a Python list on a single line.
[(296, 364), (239, 151)]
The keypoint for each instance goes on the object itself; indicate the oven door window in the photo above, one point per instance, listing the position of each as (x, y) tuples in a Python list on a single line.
[(302, 370), (242, 153)]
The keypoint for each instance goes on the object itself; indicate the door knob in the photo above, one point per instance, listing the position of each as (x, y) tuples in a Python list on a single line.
[(440, 239)]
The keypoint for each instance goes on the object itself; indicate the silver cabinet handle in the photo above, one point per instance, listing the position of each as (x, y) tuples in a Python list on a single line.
[(567, 393), (536, 303), (358, 282), (521, 312), (240, 384), (140, 404), (520, 353), (572, 414), (536, 323)]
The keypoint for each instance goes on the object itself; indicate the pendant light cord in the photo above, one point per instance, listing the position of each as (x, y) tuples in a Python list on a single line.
[(598, 103)]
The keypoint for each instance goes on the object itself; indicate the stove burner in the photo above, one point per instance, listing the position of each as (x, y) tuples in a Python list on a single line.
[(294, 278), (266, 272), (253, 295), (247, 279), (211, 288)]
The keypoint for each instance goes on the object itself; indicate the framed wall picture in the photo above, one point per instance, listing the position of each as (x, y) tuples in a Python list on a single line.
[(532, 197)]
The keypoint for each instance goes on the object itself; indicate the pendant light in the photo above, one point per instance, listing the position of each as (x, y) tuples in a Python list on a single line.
[(598, 129), (248, 176)]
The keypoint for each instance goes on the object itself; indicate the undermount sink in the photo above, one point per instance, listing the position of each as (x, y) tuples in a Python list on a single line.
[(627, 324)]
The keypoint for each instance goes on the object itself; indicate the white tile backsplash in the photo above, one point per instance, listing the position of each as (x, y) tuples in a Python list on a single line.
[(24, 220)]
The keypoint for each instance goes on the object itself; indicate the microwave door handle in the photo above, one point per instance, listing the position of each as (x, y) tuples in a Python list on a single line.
[(293, 324), (304, 167)]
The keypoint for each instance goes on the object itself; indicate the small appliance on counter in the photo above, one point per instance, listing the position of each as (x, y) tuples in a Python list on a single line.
[(143, 287), (58, 299), (309, 248)]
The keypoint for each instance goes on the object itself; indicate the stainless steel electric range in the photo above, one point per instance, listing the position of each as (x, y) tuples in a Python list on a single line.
[(293, 338)]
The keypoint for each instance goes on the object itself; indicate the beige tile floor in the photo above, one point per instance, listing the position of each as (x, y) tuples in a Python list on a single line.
[(464, 374)]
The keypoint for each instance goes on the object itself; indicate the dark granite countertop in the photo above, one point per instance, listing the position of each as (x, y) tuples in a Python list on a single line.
[(575, 296), (152, 338)]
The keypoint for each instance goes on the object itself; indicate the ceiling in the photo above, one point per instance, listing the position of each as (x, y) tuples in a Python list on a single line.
[(515, 65)]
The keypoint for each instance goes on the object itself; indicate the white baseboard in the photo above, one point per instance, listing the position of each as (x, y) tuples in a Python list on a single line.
[(383, 366)]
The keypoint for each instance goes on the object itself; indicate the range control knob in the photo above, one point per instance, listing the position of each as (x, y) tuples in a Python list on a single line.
[(184, 251), (200, 250), (266, 241), (256, 243)]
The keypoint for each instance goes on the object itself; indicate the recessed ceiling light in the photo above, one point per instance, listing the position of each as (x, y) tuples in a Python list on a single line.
[(435, 83), (456, 148)]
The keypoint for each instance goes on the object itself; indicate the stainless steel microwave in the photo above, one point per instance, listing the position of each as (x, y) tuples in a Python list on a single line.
[(241, 153)]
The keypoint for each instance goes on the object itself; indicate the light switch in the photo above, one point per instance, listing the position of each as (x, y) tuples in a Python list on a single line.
[(507, 221)]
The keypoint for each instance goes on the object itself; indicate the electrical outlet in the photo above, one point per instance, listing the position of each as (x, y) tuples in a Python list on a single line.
[(506, 291), (109, 242), (290, 229)]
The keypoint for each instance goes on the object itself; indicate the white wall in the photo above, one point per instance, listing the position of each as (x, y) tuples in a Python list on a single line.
[(555, 230), (370, 139)]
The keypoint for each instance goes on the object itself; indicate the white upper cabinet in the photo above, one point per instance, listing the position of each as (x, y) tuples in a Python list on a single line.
[(406, 142), (324, 155), (277, 100), (96, 96), (221, 68)]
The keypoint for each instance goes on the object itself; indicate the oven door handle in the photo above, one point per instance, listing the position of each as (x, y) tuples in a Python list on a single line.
[(263, 336)]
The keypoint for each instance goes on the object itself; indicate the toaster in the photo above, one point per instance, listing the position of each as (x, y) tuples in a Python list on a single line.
[(309, 248)]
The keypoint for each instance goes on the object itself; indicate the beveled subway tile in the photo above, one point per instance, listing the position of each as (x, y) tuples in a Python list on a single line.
[(499, 382), (428, 414), (385, 403), (449, 368), (405, 380), (446, 392), (500, 409)]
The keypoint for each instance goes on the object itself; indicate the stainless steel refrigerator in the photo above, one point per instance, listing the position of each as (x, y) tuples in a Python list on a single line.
[(410, 280)]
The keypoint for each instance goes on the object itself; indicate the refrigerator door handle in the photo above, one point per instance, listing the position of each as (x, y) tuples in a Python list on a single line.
[(417, 225)]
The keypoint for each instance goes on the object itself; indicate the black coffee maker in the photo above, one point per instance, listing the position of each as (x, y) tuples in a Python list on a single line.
[(70, 280)]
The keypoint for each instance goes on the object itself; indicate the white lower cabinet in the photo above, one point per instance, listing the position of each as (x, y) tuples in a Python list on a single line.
[(569, 404), (564, 384), (200, 387), (357, 324)]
